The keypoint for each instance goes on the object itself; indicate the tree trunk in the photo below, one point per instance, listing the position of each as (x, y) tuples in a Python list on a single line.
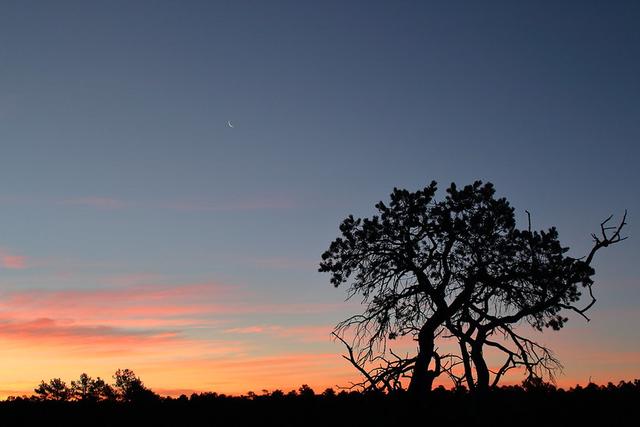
[(421, 377), (468, 372), (482, 370)]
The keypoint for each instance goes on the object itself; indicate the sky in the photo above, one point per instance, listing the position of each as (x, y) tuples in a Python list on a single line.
[(138, 230)]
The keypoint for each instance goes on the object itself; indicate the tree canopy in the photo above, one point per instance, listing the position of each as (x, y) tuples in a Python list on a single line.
[(127, 387), (458, 268)]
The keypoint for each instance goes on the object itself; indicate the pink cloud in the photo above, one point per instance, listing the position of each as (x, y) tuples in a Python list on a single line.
[(50, 330), (246, 330), (68, 339), (196, 304), (157, 306), (12, 261), (305, 333), (114, 321)]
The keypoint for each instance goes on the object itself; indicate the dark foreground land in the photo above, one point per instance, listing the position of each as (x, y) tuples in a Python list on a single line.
[(611, 405)]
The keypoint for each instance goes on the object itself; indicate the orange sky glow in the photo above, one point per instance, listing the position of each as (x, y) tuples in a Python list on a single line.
[(196, 337)]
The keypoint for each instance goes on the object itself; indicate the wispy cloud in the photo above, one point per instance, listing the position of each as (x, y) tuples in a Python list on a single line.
[(12, 261), (303, 333), (251, 204), (50, 331), (97, 202), (122, 305), (155, 320), (162, 302)]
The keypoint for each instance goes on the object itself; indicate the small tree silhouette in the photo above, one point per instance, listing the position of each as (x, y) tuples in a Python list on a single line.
[(130, 388), (306, 391), (55, 389), (87, 389)]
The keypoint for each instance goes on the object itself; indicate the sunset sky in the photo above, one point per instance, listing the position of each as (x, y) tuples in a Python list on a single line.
[(138, 230)]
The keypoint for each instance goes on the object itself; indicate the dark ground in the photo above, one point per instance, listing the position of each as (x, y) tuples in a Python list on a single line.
[(510, 406)]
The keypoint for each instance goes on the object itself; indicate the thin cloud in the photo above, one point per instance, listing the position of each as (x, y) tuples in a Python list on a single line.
[(50, 330), (305, 333), (12, 261), (68, 340), (97, 202), (230, 206), (198, 305), (124, 305)]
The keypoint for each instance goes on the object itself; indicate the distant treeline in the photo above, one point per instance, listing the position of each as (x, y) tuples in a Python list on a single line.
[(127, 401)]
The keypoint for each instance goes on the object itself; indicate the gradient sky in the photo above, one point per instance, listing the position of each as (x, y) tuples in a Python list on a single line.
[(138, 230)]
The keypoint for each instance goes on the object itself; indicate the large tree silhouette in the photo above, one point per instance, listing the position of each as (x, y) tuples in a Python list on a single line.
[(460, 268)]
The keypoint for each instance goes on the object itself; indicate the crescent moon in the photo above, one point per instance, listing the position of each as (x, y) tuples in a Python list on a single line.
[(229, 124)]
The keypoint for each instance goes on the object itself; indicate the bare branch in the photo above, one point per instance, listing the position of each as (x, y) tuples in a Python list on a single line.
[(606, 240)]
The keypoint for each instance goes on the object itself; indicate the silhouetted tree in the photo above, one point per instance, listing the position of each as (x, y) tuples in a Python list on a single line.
[(87, 389), (457, 267), (130, 388), (277, 394), (55, 389), (81, 389), (306, 391)]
